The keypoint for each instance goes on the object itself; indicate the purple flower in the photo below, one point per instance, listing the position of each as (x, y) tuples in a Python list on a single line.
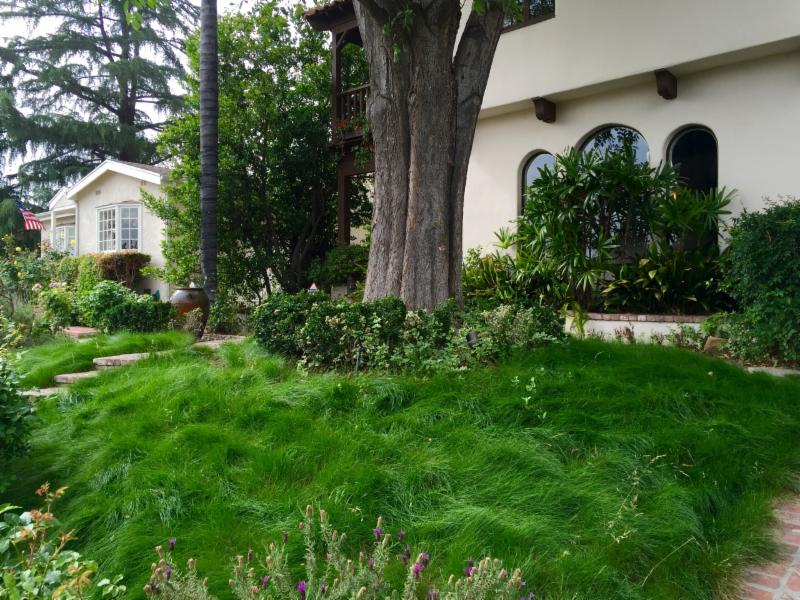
[(470, 565), (171, 544), (417, 569), (425, 558), (250, 555), (401, 535), (468, 571), (264, 581), (371, 564), (406, 555), (301, 588), (378, 533), (167, 572)]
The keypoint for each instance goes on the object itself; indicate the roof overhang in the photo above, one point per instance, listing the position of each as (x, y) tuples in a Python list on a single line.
[(336, 16), (113, 166)]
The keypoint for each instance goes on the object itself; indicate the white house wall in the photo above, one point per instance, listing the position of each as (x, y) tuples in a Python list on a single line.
[(753, 108), (591, 42), (111, 189)]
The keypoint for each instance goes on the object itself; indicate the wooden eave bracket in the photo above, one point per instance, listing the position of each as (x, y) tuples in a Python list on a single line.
[(667, 84), (545, 110)]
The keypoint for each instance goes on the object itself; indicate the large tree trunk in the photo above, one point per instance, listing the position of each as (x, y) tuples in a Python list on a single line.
[(423, 108), (209, 144)]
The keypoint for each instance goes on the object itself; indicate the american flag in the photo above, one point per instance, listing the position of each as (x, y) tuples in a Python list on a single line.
[(31, 220)]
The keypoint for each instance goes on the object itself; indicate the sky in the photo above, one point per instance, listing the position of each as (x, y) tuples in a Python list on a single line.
[(11, 28)]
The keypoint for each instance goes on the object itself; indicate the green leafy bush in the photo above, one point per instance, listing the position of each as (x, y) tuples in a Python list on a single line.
[(761, 271), (123, 266), (89, 273), (58, 306), (36, 562), (110, 306), (23, 274), (277, 320), (383, 335), (271, 577), (67, 270), (16, 413), (341, 265), (223, 316)]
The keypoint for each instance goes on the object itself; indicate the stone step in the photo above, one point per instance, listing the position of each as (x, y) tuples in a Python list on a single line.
[(78, 332), (67, 378), (214, 343), (775, 371), (120, 360), (42, 392)]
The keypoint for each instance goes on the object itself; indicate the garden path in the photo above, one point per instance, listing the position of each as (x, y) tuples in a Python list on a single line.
[(780, 580)]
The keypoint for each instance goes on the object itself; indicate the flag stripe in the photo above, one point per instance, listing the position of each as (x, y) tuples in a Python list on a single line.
[(30, 220)]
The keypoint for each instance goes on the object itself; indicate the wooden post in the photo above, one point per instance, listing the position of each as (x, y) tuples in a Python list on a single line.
[(336, 76), (344, 188)]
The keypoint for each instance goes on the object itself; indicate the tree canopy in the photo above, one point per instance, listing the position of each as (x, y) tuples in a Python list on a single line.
[(276, 204), (87, 84)]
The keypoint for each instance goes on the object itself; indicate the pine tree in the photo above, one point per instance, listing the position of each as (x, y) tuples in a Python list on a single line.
[(88, 84)]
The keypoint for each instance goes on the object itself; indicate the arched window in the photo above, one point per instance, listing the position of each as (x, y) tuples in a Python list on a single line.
[(532, 168), (694, 152), (615, 138)]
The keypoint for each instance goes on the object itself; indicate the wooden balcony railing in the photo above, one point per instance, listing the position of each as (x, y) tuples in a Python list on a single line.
[(351, 111)]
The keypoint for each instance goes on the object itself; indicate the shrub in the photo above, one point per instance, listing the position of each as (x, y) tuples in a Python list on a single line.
[(23, 273), (16, 413), (352, 336), (761, 271), (89, 273), (36, 562), (124, 266), (271, 577), (342, 264), (277, 320), (110, 306), (223, 317), (58, 307), (67, 270)]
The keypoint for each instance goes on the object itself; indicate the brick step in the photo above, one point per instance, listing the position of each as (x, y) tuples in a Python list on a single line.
[(78, 332), (67, 378)]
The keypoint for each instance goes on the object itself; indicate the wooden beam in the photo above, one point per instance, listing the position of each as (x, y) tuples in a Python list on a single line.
[(545, 110), (344, 189), (667, 84)]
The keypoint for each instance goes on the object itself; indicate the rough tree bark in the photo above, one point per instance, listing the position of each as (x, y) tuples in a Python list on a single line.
[(424, 101), (209, 144)]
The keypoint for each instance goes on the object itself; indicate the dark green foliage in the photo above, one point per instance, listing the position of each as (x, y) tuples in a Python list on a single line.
[(601, 231), (631, 473), (124, 266), (342, 264), (762, 273), (11, 222), (59, 307), (277, 321), (16, 416), (110, 307), (75, 91), (223, 316), (276, 202)]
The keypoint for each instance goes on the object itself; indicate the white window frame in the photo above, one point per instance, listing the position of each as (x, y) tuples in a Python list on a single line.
[(66, 246), (118, 226)]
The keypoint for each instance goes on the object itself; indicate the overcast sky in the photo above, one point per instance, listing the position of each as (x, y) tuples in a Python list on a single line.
[(16, 27)]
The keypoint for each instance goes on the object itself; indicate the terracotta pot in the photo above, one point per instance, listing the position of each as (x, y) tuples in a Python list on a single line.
[(188, 298)]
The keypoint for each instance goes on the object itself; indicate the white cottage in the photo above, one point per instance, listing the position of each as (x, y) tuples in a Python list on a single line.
[(103, 212)]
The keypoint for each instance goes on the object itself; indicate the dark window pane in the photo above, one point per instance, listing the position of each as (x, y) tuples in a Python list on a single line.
[(694, 153), (534, 165)]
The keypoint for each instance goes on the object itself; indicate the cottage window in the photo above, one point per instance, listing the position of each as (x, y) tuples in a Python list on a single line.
[(64, 239), (529, 12), (694, 153), (118, 228)]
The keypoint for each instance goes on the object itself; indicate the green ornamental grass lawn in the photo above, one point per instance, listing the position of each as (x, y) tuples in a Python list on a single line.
[(40, 364), (602, 470)]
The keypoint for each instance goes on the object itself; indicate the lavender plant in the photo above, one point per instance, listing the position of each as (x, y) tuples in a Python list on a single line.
[(337, 577)]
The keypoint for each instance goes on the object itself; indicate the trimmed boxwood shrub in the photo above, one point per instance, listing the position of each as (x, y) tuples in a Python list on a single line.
[(110, 306), (276, 321)]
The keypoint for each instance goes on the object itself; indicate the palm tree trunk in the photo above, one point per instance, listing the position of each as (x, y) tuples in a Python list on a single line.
[(209, 144)]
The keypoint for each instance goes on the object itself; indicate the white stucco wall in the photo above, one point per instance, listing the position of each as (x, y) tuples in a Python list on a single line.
[(591, 42), (112, 189), (753, 108)]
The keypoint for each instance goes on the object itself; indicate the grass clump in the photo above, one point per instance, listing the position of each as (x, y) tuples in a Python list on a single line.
[(38, 365), (601, 470)]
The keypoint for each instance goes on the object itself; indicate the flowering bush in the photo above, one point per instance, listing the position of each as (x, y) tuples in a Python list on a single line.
[(22, 273), (339, 577), (36, 562), (16, 413)]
